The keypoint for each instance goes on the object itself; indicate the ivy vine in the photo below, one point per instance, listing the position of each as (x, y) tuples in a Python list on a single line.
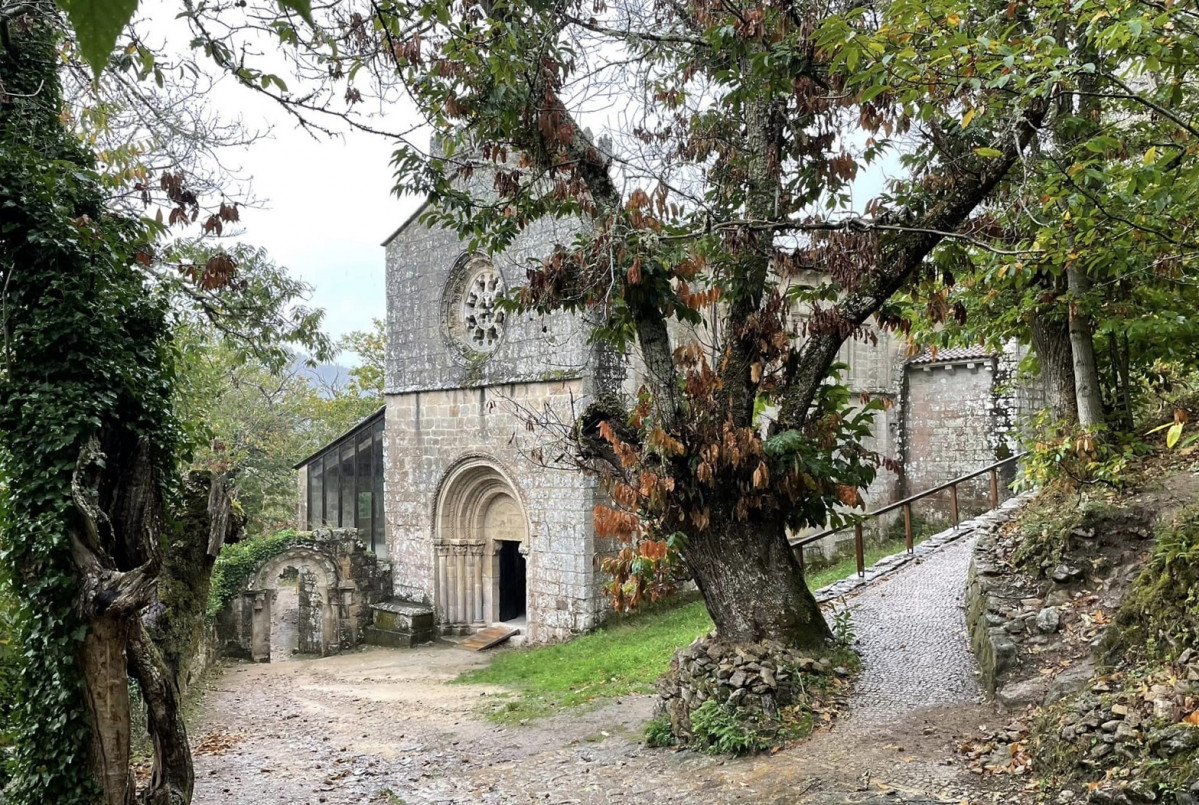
[(83, 353), (241, 560)]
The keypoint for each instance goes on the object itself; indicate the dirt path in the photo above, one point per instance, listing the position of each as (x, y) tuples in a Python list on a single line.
[(383, 726)]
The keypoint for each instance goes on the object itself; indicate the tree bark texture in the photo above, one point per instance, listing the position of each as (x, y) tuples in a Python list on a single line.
[(176, 622), (164, 642), (102, 660), (118, 554), (1051, 340), (173, 776), (753, 586), (1082, 347)]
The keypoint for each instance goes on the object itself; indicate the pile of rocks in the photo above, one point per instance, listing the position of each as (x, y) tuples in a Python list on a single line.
[(757, 678), (1135, 725)]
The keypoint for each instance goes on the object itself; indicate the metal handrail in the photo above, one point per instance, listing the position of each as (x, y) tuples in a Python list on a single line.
[(798, 544)]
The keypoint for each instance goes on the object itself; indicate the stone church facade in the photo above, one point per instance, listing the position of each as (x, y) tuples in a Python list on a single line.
[(477, 527)]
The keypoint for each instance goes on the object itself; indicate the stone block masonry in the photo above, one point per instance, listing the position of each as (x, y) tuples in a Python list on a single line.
[(461, 483), (338, 581)]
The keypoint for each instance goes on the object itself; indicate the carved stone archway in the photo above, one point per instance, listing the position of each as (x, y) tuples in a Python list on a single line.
[(480, 542), (319, 584)]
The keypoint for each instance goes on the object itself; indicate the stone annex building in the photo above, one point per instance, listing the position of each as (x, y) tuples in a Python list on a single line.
[(440, 482)]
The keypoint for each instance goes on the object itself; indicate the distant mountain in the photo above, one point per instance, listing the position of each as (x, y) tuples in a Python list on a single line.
[(323, 376)]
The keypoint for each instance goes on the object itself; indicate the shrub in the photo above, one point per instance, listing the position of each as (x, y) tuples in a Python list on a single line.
[(238, 561), (658, 734), (719, 730)]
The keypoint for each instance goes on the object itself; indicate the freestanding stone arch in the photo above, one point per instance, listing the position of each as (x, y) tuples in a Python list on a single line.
[(339, 580), (481, 537), (319, 584)]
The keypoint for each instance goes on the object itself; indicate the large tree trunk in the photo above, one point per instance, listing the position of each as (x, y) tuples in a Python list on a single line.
[(206, 522), (106, 690), (165, 641), (753, 586), (1051, 340), (1082, 346), (173, 775)]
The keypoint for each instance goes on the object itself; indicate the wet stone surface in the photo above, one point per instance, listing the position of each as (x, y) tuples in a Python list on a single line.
[(912, 636)]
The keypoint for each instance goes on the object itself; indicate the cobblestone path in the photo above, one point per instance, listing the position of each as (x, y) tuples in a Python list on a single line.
[(383, 727), (911, 630), (917, 696)]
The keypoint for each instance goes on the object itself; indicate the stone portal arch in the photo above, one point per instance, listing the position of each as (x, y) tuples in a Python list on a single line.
[(481, 536), (339, 582), (319, 583)]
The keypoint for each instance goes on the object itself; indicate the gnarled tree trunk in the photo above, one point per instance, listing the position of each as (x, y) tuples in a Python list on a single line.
[(102, 660), (173, 775), (165, 641), (753, 586)]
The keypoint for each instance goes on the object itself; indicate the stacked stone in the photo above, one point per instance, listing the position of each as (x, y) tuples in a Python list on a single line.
[(1130, 727), (755, 678)]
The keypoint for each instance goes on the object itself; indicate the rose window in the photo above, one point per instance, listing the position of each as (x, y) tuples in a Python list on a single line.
[(482, 318)]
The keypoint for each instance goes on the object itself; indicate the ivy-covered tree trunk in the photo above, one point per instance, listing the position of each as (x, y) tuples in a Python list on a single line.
[(86, 439)]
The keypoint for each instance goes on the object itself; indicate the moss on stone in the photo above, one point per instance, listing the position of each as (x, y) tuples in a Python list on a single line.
[(1159, 617)]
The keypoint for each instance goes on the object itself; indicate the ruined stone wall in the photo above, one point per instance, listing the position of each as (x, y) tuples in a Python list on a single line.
[(430, 433), (339, 580)]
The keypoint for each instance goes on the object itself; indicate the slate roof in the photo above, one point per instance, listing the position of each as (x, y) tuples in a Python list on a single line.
[(951, 354)]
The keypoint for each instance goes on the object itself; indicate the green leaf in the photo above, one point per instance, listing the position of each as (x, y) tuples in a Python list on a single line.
[(301, 7), (1173, 434), (990, 153), (97, 25)]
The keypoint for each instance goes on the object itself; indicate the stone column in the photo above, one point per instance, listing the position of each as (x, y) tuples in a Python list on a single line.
[(260, 636), (451, 592), (476, 587), (463, 582), (442, 602)]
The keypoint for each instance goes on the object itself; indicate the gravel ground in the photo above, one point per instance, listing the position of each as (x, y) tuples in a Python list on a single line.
[(381, 726)]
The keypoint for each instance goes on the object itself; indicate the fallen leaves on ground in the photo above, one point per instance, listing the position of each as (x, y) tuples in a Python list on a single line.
[(218, 742)]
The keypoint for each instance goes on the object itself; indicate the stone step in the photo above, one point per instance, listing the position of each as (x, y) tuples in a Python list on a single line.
[(486, 638)]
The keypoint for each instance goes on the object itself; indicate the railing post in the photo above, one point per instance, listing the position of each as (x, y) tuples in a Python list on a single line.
[(859, 549), (907, 527), (799, 557), (953, 504), (994, 488)]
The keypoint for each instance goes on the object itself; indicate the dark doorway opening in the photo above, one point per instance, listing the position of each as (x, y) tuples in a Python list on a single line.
[(512, 581)]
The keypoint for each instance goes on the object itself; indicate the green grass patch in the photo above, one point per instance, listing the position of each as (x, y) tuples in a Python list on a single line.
[(624, 656)]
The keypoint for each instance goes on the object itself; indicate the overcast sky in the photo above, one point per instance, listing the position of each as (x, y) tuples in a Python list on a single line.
[(327, 207)]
